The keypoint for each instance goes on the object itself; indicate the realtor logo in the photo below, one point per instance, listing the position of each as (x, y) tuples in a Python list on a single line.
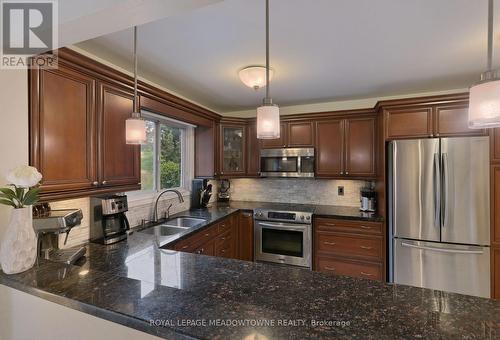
[(28, 28)]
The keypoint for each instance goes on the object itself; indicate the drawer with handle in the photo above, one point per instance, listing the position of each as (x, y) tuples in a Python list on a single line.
[(365, 270), (349, 245), (348, 226), (225, 225)]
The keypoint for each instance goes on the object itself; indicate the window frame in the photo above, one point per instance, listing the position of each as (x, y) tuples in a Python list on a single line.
[(187, 155)]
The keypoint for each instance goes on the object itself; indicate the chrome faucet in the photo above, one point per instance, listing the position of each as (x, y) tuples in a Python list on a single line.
[(155, 212)]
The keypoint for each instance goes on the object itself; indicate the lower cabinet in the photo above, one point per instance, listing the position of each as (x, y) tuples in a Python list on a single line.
[(495, 272), (352, 248), (245, 236), (220, 239)]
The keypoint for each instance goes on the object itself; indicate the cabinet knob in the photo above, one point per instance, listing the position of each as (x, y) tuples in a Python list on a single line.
[(104, 182), (341, 172), (347, 172), (95, 183)]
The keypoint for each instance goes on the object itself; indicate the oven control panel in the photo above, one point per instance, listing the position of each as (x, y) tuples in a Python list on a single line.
[(284, 216)]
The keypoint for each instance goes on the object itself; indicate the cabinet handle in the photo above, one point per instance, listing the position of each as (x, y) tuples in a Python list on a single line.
[(247, 215), (104, 182), (184, 247), (366, 274), (365, 247), (347, 172), (95, 183), (223, 251), (222, 238), (330, 224), (199, 251), (341, 172), (207, 234), (364, 227), (329, 243), (330, 268)]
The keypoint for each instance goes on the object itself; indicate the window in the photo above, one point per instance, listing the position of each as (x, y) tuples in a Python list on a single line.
[(166, 157)]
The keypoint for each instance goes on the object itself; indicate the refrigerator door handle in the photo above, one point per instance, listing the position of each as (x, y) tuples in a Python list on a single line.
[(468, 250), (444, 188), (437, 190)]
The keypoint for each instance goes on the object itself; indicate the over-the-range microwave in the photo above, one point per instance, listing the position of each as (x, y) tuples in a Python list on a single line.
[(287, 162)]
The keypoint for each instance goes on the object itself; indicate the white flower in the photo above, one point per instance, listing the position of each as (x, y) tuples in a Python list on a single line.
[(24, 176)]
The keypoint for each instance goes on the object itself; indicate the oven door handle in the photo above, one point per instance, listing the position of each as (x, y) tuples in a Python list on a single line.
[(299, 227)]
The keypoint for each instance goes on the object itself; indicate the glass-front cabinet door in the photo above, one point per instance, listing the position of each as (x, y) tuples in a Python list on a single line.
[(233, 141)]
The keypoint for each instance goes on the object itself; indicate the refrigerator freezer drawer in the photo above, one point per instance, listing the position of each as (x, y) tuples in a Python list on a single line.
[(447, 267)]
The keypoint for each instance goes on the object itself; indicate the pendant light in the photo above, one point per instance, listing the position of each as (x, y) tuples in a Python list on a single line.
[(268, 115), (484, 96), (135, 127)]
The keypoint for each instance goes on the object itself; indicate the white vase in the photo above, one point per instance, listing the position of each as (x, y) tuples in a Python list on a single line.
[(18, 250)]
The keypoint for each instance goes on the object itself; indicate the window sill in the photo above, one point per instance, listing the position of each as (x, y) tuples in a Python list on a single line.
[(137, 198)]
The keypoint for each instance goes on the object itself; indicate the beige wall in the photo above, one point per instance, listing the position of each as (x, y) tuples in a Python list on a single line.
[(13, 128)]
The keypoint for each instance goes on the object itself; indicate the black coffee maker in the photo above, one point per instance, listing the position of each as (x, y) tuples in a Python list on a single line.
[(201, 192), (108, 222)]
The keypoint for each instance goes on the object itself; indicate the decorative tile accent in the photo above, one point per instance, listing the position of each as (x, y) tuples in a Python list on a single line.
[(297, 190)]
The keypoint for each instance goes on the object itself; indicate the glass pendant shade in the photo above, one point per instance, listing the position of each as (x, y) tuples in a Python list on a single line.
[(135, 130), (484, 105), (268, 122), (255, 76)]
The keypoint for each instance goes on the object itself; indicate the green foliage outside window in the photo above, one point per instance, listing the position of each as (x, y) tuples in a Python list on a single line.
[(169, 154)]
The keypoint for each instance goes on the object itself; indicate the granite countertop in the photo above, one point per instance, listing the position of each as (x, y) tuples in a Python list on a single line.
[(177, 295)]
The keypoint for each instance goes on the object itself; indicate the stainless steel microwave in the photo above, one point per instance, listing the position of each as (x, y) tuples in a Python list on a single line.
[(287, 162)]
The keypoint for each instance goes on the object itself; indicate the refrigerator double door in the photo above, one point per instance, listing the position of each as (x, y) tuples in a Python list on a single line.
[(440, 214), (440, 190)]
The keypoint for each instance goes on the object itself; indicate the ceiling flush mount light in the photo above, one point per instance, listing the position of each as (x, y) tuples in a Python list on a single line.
[(484, 96), (135, 127), (255, 76), (268, 115)]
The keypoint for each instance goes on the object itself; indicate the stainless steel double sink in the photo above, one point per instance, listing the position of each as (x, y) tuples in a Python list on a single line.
[(174, 226)]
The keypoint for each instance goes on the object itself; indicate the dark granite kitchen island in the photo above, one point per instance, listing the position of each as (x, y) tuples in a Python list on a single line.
[(174, 295)]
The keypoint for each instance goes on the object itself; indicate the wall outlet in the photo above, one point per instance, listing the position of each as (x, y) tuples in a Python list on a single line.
[(340, 190)]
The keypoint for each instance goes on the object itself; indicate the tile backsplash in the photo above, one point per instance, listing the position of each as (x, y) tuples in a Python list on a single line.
[(296, 190)]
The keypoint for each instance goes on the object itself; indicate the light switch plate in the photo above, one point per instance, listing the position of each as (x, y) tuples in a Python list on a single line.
[(340, 190)]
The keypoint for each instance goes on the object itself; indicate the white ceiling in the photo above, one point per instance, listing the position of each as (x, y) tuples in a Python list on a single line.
[(321, 50)]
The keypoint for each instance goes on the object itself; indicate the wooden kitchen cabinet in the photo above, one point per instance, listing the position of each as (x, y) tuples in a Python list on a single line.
[(495, 145), (62, 129), (495, 204), (408, 122), (453, 120), (440, 120), (300, 134), (232, 150), (495, 272), (294, 134), (349, 247), (119, 162), (345, 148), (329, 148), (245, 237), (360, 147), (253, 151), (278, 142)]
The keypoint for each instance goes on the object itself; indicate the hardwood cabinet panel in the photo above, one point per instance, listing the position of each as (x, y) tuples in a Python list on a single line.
[(245, 236), (119, 161), (453, 120), (329, 147), (62, 126), (350, 245), (300, 134), (276, 143), (205, 151), (360, 147), (225, 245), (495, 275), (233, 150), (253, 151), (495, 204), (364, 227), (367, 270), (408, 122)]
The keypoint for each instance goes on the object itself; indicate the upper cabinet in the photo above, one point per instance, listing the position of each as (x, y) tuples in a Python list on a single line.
[(345, 148), (62, 129), (233, 153), (119, 162), (275, 143), (360, 147), (253, 151), (293, 134), (440, 120)]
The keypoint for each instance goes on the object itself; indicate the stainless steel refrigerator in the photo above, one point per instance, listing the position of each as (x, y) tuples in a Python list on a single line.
[(439, 214)]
